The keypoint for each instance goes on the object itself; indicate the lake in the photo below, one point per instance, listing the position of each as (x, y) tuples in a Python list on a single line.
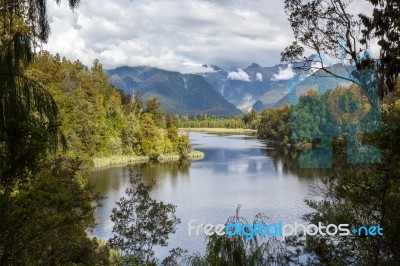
[(237, 170)]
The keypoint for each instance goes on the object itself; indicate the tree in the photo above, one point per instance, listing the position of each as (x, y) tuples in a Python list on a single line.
[(148, 138), (326, 27), (45, 221), (153, 107), (172, 123), (137, 103), (249, 118), (275, 125), (385, 26), (44, 208), (141, 222), (25, 106), (184, 147)]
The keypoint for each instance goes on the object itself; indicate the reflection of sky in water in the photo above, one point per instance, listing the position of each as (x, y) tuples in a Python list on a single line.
[(235, 170)]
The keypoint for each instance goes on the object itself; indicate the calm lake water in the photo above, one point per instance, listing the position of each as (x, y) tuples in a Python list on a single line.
[(236, 170)]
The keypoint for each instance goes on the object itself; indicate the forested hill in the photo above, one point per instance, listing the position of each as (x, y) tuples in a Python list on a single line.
[(99, 120), (183, 94)]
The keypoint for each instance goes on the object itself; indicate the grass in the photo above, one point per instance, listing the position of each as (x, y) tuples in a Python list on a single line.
[(219, 130), (196, 155), (168, 158), (120, 160), (193, 156)]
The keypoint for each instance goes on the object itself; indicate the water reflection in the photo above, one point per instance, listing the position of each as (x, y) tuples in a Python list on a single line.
[(237, 169), (286, 160)]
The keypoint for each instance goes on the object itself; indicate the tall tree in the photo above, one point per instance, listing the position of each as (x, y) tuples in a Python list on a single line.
[(385, 26), (153, 107), (141, 223), (27, 110)]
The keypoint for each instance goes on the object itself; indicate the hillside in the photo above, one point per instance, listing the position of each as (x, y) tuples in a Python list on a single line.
[(183, 94)]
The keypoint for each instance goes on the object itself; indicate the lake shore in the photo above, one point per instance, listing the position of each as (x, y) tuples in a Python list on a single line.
[(219, 130), (122, 160)]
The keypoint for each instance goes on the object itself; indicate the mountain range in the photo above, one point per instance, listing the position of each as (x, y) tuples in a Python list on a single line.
[(183, 94), (221, 93)]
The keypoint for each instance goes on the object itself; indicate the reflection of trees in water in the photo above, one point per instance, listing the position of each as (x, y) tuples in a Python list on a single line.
[(287, 159), (102, 180), (116, 178), (245, 134), (156, 170)]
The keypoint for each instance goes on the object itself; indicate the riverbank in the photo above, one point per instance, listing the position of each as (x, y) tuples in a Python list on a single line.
[(121, 160), (219, 130), (299, 146)]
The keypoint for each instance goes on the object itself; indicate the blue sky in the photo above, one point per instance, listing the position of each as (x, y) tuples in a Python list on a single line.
[(172, 34)]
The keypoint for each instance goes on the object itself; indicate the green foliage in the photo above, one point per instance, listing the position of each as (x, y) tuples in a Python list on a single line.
[(27, 110), (184, 147), (275, 125), (359, 195), (149, 137), (384, 25), (310, 118), (90, 109), (94, 119), (153, 107), (141, 223), (348, 186), (44, 221), (355, 194), (251, 119), (206, 121), (44, 210)]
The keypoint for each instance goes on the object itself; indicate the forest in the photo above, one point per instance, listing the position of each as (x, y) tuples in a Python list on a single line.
[(99, 120), (57, 115)]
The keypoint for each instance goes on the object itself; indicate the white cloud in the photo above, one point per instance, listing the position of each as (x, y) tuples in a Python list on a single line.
[(284, 74), (175, 35), (238, 75), (315, 66), (259, 77)]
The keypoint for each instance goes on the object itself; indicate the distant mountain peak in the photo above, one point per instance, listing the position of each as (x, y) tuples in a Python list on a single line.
[(253, 65)]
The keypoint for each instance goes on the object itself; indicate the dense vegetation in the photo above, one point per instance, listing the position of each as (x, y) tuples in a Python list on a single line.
[(209, 122), (355, 193), (45, 207), (275, 125), (247, 120), (99, 120), (53, 111)]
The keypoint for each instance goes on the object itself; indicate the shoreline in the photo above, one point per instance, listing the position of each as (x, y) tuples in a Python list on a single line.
[(124, 160), (217, 130)]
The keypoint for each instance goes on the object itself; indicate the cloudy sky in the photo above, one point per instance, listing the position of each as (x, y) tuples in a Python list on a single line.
[(171, 34)]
